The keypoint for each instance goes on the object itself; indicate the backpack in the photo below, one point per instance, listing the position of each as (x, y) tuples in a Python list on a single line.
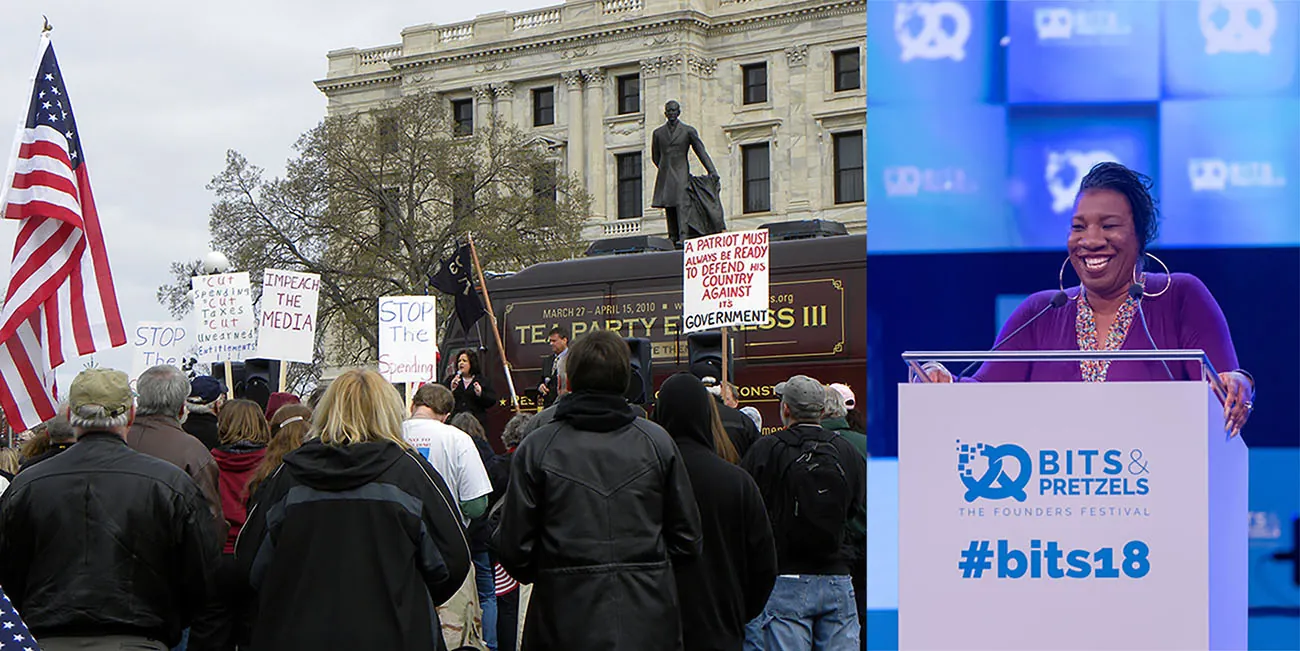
[(811, 505)]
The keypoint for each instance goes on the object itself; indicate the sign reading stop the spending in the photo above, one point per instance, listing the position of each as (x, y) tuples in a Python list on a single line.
[(725, 280), (158, 343), (408, 349)]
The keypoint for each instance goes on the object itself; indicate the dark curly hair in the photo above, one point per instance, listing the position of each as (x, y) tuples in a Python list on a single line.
[(1136, 188)]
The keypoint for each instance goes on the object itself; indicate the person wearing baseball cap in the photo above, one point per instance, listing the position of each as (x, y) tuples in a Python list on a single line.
[(813, 482), (203, 407), (97, 588)]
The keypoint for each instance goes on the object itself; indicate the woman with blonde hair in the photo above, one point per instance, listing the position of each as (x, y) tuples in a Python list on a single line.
[(354, 540)]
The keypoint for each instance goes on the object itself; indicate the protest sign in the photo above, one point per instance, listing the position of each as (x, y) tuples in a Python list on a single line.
[(725, 281), (158, 343), (225, 330), (287, 323), (408, 348)]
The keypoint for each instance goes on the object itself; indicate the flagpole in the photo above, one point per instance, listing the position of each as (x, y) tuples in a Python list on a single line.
[(482, 283)]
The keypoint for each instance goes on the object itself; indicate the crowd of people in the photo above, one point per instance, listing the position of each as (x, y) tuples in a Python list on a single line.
[(168, 517)]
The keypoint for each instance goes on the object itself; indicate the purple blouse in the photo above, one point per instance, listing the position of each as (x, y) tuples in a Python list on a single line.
[(1185, 317)]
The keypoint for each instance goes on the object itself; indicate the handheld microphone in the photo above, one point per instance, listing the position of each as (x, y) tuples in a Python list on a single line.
[(1058, 299), (1136, 291)]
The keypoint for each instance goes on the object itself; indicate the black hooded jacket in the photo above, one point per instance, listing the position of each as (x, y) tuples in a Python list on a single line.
[(351, 547), (732, 580), (598, 511)]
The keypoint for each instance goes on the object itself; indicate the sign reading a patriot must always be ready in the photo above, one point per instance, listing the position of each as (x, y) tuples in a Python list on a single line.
[(725, 281)]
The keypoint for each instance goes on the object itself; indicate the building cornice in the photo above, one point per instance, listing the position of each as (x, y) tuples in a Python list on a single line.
[(681, 21), (358, 81), (576, 37)]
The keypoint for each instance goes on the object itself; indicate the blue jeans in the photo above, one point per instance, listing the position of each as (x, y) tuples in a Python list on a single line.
[(485, 582), (807, 613), (185, 641)]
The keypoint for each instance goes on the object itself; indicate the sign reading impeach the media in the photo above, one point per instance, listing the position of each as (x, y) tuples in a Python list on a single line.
[(725, 281), (408, 348), (288, 321), (223, 309)]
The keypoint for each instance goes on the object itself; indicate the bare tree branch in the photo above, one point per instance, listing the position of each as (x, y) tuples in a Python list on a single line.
[(372, 203)]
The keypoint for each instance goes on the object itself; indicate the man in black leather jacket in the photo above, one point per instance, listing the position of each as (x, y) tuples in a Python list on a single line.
[(598, 511), (102, 546)]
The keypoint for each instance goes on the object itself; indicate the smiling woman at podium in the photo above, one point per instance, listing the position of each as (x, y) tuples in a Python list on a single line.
[(1118, 305)]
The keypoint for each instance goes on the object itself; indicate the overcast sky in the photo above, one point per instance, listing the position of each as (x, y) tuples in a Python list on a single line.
[(162, 89)]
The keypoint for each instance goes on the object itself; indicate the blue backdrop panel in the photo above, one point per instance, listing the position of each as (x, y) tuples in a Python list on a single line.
[(937, 170), (1065, 51), (1052, 150), (935, 51), (1216, 49), (1231, 172)]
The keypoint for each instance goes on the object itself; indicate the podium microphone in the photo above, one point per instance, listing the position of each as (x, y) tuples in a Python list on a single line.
[(1058, 299), (1135, 291)]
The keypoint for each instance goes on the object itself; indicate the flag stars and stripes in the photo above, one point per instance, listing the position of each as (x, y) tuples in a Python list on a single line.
[(13, 626), (61, 302), (50, 108)]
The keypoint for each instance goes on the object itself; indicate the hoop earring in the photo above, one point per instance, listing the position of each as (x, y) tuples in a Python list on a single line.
[(1061, 280), (1168, 275)]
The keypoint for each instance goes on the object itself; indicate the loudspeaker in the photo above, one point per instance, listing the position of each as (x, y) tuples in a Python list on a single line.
[(705, 351), (802, 230), (632, 244), (641, 385), (256, 379)]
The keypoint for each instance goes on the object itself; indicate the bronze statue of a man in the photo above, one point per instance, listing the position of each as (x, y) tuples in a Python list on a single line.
[(690, 203)]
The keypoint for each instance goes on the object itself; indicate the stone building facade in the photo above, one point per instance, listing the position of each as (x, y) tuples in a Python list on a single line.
[(776, 89)]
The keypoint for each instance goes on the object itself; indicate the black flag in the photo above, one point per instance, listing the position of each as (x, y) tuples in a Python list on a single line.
[(454, 278)]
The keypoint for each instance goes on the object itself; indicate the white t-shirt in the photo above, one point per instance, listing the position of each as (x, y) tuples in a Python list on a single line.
[(453, 454)]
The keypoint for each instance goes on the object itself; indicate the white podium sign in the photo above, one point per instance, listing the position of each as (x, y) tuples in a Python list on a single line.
[(1070, 516)]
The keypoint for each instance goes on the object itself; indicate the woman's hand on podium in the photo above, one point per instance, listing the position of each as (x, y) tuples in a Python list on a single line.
[(936, 372), (1239, 401)]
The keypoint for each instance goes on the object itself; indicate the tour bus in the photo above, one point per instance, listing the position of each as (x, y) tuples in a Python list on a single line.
[(816, 325)]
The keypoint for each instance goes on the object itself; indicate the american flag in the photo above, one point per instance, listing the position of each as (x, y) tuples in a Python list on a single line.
[(502, 581), (13, 632), (61, 303)]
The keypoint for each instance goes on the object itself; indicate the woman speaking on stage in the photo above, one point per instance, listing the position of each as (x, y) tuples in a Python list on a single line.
[(1118, 304)]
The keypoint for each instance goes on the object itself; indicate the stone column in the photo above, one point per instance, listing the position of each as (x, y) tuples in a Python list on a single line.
[(482, 107), (699, 106), (594, 80), (653, 98), (576, 145), (803, 150), (505, 94)]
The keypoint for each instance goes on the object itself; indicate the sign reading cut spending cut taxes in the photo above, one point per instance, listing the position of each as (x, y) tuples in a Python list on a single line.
[(725, 281), (225, 330), (287, 324), (408, 348)]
